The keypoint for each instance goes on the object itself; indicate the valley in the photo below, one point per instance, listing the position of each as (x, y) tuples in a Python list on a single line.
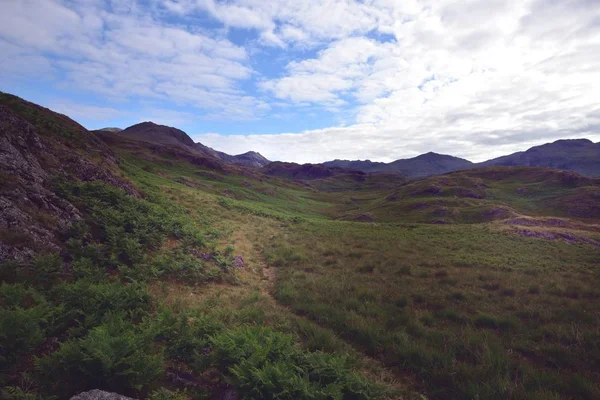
[(155, 269)]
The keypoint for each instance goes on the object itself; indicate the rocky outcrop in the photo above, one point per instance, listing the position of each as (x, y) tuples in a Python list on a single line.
[(37, 146), (99, 395)]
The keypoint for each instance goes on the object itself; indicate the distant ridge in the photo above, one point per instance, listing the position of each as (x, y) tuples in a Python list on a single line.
[(579, 155), (158, 134), (108, 129), (418, 167)]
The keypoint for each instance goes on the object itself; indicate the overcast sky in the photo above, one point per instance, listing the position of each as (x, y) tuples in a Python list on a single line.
[(310, 81)]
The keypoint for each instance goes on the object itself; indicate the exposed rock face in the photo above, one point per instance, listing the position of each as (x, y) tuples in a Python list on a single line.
[(31, 155), (99, 395), (238, 262)]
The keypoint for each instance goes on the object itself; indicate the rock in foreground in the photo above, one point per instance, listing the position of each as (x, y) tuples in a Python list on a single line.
[(99, 395)]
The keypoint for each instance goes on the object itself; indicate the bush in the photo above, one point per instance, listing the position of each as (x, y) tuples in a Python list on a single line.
[(114, 356), (269, 365), (185, 336), (165, 394), (47, 269), (120, 228), (23, 321), (87, 303)]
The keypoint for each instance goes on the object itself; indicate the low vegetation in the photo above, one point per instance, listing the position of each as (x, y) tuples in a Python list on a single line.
[(480, 284)]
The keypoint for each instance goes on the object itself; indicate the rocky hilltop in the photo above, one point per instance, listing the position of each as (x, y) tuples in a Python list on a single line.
[(150, 132)]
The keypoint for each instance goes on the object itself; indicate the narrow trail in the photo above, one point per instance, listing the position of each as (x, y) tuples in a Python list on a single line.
[(259, 275)]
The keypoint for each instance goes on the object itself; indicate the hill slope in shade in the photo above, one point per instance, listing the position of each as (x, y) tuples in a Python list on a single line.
[(579, 155), (38, 146), (418, 167), (159, 134), (248, 159)]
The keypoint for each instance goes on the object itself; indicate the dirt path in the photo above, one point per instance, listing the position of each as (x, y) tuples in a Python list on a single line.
[(258, 277), (257, 274)]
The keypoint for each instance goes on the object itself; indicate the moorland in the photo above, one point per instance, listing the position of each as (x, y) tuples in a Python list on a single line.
[(163, 271)]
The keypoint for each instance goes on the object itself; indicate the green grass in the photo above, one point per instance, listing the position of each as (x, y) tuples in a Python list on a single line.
[(467, 310), (465, 320), (325, 307)]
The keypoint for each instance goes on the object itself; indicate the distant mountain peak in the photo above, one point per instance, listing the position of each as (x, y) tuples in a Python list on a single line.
[(151, 132), (251, 159), (579, 155), (109, 129), (430, 155)]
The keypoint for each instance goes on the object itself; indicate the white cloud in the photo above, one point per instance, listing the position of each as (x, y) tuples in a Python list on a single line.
[(127, 53), (475, 78), (77, 111)]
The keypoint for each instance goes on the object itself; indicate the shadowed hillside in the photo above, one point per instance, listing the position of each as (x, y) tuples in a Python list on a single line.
[(579, 155), (418, 167)]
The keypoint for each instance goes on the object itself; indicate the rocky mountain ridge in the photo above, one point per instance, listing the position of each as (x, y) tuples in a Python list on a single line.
[(166, 135)]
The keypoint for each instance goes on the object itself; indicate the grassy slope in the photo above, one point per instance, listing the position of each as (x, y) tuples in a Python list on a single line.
[(458, 311), (452, 311)]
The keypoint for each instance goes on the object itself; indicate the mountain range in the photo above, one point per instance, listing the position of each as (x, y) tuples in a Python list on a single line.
[(579, 155)]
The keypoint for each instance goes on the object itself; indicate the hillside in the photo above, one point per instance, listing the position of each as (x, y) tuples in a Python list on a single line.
[(579, 155), (37, 147), (484, 195), (142, 264), (248, 159), (418, 167)]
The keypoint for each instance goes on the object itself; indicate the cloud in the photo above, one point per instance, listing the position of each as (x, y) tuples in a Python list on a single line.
[(76, 111), (475, 78), (127, 52)]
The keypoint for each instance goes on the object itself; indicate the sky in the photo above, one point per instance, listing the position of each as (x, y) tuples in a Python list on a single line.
[(311, 81)]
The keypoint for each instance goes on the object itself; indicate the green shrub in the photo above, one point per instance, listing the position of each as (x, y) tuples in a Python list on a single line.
[(16, 393), (115, 356), (120, 228), (24, 318), (87, 303), (47, 269), (180, 265), (185, 335), (165, 394), (85, 268), (269, 365)]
